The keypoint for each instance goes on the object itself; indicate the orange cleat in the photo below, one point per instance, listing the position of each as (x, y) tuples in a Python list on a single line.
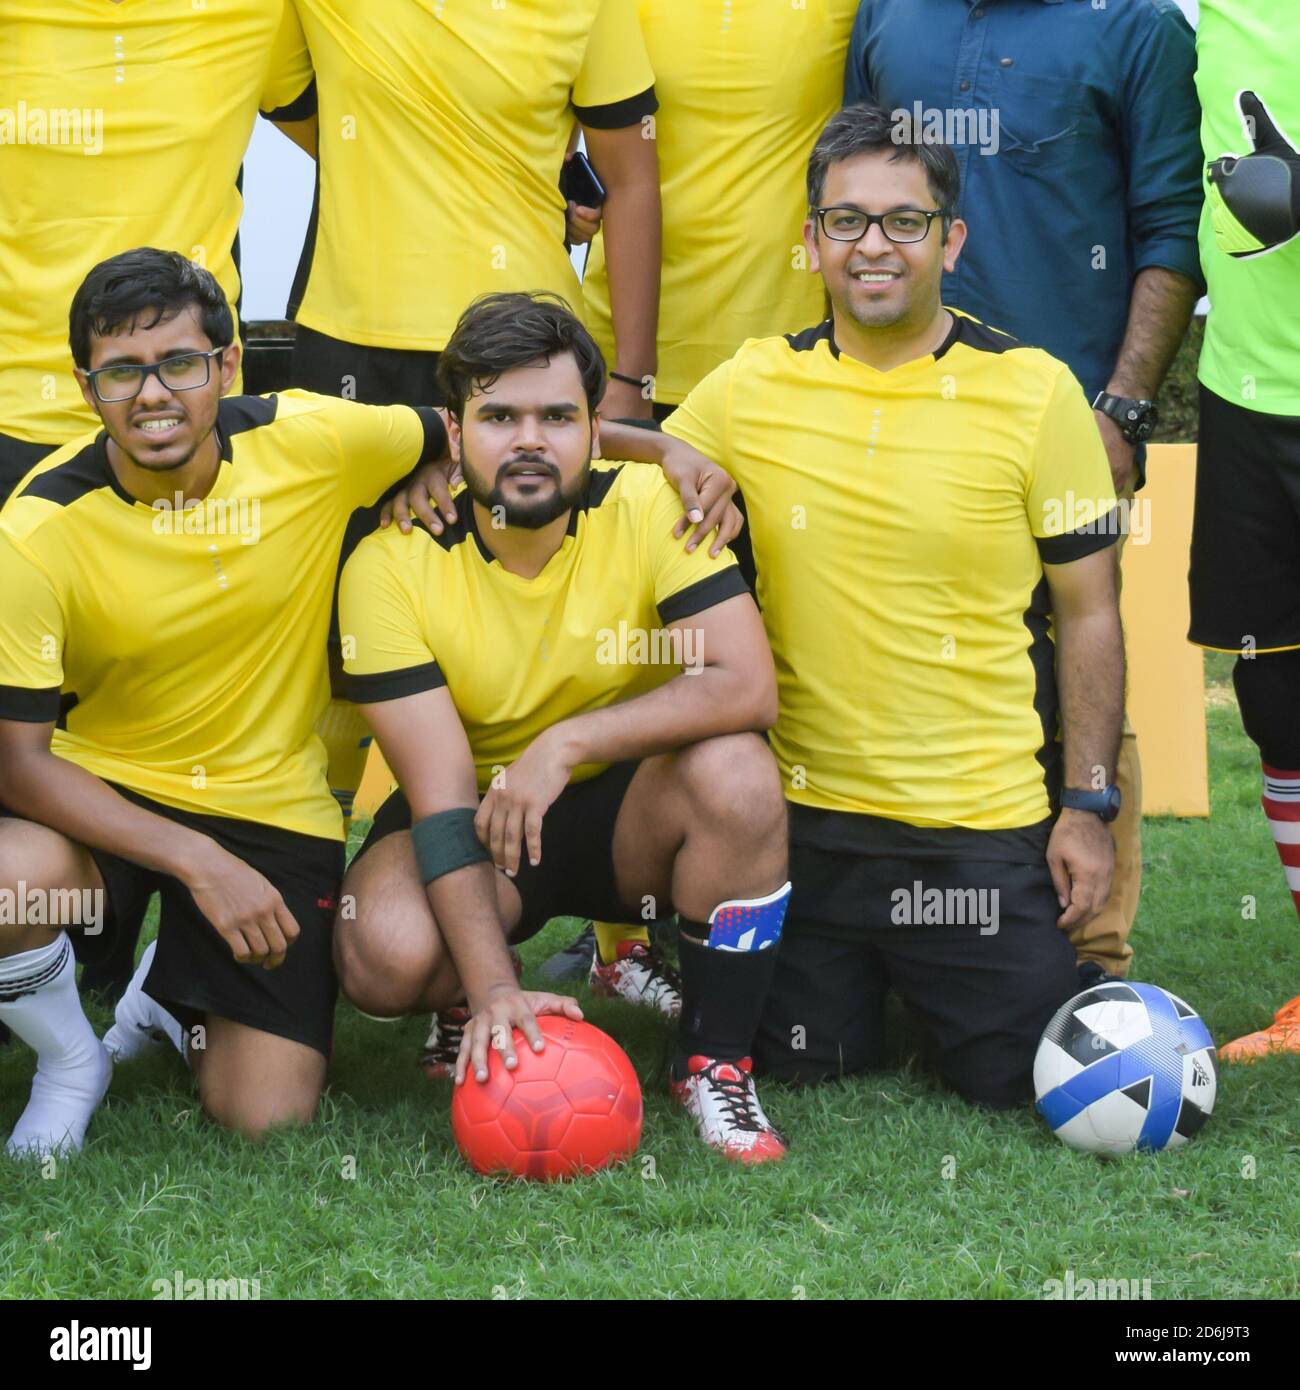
[(1282, 1035)]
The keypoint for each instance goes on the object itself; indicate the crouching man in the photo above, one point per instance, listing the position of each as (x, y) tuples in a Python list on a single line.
[(572, 704)]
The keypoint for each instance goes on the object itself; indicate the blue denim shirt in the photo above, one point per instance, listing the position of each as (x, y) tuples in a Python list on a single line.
[(1092, 117)]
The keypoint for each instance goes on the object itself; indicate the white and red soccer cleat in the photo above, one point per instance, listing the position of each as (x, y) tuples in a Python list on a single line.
[(722, 1099), (442, 1046), (638, 976)]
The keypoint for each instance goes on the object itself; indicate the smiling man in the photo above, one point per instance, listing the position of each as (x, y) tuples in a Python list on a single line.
[(931, 511), (546, 768), (160, 678)]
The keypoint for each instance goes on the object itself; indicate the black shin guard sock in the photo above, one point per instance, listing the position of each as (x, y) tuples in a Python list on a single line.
[(723, 993)]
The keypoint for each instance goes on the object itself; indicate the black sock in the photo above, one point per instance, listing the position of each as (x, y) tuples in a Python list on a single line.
[(723, 994)]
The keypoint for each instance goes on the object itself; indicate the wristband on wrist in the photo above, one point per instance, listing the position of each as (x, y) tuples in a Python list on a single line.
[(447, 841), (637, 381)]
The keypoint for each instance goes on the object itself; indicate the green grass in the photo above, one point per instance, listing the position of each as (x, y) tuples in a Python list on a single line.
[(862, 1207)]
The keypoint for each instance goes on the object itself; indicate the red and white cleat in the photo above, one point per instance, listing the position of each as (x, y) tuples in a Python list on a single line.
[(640, 977), (442, 1046), (722, 1099)]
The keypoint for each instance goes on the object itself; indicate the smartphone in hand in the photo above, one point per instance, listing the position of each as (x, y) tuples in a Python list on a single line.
[(580, 183)]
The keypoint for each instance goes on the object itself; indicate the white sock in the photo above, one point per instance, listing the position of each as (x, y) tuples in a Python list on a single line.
[(39, 1002), (140, 1019)]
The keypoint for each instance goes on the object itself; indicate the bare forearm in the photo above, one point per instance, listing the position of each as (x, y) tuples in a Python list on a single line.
[(1160, 309), (465, 907), (686, 710), (639, 445), (1090, 678), (53, 791), (632, 250)]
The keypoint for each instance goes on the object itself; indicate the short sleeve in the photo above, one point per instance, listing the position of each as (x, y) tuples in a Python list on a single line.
[(290, 90), (378, 445), (615, 85), (684, 584), (703, 418), (31, 639), (386, 652), (1070, 498)]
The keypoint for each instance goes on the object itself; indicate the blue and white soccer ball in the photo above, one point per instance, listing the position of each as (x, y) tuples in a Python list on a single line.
[(1125, 1066)]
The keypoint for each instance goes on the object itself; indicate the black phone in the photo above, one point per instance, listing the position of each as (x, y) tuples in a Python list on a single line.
[(580, 183)]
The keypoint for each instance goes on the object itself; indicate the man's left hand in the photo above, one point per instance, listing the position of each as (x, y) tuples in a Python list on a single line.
[(512, 813), (1081, 857)]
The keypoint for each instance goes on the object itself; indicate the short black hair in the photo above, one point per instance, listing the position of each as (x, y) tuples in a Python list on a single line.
[(860, 129), (501, 331), (146, 282)]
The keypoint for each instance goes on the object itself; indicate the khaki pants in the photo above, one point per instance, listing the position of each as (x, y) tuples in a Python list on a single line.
[(1105, 938)]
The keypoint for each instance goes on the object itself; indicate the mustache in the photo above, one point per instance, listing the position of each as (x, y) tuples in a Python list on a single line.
[(533, 461)]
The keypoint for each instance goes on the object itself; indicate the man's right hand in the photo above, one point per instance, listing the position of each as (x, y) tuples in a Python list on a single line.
[(243, 907), (505, 1009)]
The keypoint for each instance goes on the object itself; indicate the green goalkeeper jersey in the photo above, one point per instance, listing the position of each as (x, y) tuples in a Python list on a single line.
[(1252, 341)]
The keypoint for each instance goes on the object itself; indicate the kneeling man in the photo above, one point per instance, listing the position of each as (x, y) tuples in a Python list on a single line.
[(572, 705)]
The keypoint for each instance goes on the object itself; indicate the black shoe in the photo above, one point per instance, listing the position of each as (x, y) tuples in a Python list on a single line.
[(574, 961), (1090, 974)]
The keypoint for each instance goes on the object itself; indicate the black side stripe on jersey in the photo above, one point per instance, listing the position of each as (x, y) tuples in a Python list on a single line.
[(302, 106), (29, 706), (1074, 545), (974, 334), (808, 338), (235, 414), (392, 685), (84, 472), (614, 115), (705, 593), (598, 486), (1042, 657)]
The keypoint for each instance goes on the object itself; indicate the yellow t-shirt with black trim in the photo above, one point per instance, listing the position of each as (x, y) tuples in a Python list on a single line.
[(900, 522), (182, 652), (518, 655), (744, 90), (120, 126), (443, 129)]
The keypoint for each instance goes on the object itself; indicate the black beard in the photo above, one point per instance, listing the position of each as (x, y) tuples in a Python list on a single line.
[(527, 516)]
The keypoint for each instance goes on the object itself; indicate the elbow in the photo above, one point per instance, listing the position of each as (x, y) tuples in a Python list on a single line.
[(763, 705)]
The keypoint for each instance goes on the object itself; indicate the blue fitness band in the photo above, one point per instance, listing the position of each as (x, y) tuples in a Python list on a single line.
[(447, 841)]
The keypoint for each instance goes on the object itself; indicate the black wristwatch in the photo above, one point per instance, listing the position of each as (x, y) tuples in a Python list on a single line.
[(1137, 420), (1104, 803)]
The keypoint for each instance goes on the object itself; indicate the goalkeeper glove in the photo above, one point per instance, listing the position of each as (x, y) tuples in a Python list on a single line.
[(1255, 200)]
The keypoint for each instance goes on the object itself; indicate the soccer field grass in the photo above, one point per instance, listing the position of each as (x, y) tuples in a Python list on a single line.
[(892, 1188)]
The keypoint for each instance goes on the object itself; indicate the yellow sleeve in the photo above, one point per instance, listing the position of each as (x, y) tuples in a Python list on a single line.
[(684, 583), (289, 72), (386, 652), (378, 445), (703, 419), (1070, 497), (615, 70), (31, 638)]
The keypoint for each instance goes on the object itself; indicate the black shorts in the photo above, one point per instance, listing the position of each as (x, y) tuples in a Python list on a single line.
[(983, 980), (372, 375), (1245, 571), (194, 973), (17, 459), (576, 875)]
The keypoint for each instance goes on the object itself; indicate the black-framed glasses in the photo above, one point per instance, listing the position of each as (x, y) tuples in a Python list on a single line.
[(126, 380), (901, 225)]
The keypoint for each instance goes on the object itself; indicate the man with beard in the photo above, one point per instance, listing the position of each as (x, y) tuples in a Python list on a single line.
[(572, 703)]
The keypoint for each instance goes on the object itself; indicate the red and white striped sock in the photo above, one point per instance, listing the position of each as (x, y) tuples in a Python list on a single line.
[(1281, 803)]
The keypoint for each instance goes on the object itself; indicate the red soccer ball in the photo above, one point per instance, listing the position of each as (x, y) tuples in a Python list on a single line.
[(572, 1108)]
